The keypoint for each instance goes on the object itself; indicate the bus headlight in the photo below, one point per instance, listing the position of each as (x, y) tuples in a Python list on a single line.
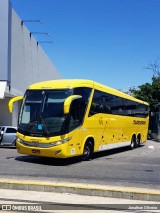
[(19, 140), (56, 143)]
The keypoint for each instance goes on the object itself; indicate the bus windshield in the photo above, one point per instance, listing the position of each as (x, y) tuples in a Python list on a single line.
[(42, 112)]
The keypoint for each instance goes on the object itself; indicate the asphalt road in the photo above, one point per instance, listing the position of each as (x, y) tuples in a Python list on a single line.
[(122, 167)]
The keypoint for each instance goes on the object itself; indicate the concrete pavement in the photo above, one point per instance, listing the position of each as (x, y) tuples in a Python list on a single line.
[(82, 189), (55, 196), (65, 202), (48, 196)]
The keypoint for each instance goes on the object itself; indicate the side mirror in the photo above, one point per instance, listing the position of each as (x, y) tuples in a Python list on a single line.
[(68, 101), (11, 102)]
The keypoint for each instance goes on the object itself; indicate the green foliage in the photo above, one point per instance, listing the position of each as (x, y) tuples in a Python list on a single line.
[(149, 93)]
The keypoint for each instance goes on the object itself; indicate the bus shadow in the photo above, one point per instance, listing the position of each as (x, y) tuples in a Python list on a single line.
[(7, 147), (112, 152), (49, 161), (69, 161)]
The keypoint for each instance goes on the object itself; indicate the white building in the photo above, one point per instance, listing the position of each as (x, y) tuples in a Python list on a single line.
[(22, 61)]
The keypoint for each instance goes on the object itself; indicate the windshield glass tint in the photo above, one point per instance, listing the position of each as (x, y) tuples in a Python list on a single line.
[(42, 112)]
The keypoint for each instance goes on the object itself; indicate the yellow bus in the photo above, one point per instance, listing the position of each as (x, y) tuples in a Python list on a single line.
[(66, 118)]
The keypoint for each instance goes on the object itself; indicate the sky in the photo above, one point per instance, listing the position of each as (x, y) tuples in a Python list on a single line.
[(108, 41)]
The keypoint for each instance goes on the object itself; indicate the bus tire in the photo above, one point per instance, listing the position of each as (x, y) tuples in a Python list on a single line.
[(133, 142), (138, 140), (87, 151)]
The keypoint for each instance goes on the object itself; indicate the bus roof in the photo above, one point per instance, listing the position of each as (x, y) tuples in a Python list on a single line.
[(73, 83), (62, 84)]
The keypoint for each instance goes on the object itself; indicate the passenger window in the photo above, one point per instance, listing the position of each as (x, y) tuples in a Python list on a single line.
[(106, 103), (112, 104)]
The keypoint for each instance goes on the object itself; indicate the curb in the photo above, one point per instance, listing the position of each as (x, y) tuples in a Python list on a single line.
[(83, 189)]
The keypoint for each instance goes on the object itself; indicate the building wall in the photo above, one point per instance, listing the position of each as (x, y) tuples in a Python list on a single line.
[(5, 37), (5, 116), (29, 62), (22, 61)]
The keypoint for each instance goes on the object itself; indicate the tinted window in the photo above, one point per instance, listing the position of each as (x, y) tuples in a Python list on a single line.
[(136, 109), (11, 130), (111, 104), (78, 107), (106, 103)]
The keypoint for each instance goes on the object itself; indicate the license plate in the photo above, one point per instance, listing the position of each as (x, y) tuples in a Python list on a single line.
[(35, 151)]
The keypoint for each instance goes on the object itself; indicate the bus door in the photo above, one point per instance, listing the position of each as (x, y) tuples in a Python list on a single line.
[(74, 144), (75, 119)]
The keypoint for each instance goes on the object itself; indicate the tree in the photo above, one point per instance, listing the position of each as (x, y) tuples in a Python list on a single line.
[(154, 67), (151, 94)]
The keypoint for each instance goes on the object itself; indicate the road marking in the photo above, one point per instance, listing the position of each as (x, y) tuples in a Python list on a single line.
[(150, 147)]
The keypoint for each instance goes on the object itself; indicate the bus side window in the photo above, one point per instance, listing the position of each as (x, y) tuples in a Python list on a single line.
[(77, 111), (93, 110)]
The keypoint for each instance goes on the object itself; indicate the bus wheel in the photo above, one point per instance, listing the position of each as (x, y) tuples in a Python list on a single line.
[(138, 140), (88, 150), (133, 142)]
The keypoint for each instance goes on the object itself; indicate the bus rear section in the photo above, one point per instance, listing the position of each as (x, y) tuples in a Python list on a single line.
[(117, 120)]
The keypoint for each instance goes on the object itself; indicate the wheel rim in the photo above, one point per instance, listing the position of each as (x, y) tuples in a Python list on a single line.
[(87, 151), (132, 144), (138, 141)]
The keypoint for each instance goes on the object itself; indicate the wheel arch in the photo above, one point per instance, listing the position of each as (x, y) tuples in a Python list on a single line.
[(89, 138)]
